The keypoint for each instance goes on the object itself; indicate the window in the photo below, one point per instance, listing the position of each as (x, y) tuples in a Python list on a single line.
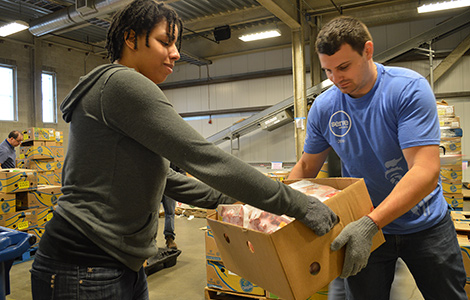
[(8, 93), (49, 106)]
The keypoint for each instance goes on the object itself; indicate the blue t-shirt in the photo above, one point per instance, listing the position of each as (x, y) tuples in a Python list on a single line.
[(369, 133), (7, 155)]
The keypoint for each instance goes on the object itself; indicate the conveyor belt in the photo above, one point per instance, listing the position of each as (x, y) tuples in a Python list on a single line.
[(254, 122)]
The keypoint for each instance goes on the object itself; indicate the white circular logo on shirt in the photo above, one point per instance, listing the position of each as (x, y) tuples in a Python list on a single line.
[(340, 123)]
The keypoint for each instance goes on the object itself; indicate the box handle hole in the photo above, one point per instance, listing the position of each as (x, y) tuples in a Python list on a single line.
[(227, 239), (315, 268), (250, 246)]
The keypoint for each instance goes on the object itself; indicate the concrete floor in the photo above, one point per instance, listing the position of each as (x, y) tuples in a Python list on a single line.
[(187, 279)]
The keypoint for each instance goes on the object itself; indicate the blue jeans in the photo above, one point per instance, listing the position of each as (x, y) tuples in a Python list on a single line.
[(336, 289), (52, 280), (169, 206), (433, 257)]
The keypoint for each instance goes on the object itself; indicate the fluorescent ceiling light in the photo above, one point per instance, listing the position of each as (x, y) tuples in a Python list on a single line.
[(443, 5), (13, 27), (260, 35)]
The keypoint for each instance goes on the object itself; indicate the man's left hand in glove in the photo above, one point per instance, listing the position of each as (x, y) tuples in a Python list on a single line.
[(357, 236)]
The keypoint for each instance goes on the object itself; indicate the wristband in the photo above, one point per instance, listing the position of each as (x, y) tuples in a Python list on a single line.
[(373, 221)]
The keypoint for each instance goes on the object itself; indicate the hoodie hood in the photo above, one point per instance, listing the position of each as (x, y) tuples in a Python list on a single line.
[(83, 86)]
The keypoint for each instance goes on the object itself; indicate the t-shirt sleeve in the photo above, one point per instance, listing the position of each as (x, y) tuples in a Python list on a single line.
[(418, 122), (314, 140)]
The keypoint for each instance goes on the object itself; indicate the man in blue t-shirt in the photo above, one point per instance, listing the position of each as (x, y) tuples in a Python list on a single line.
[(7, 149), (383, 124)]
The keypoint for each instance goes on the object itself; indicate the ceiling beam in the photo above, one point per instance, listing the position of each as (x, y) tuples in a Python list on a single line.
[(286, 11)]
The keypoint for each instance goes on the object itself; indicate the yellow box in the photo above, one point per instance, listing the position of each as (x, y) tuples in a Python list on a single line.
[(20, 220), (451, 187), (46, 178), (57, 177), (219, 277), (59, 137), (43, 164), (18, 180), (37, 232), (454, 200), (212, 252), (460, 215), (449, 122), (452, 145), (44, 215), (8, 203), (39, 134), (36, 152), (451, 172), (58, 152)]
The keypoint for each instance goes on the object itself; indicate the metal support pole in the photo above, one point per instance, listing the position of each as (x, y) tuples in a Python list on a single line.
[(431, 72)]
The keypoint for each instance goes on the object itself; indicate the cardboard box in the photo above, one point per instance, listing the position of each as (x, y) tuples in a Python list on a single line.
[(20, 220), (46, 178), (18, 180), (465, 249), (43, 164), (59, 137), (212, 252), (7, 203), (39, 134), (58, 152), (44, 215), (449, 122), (44, 196), (36, 152), (219, 277), (452, 145), (452, 187), (280, 262), (454, 200), (37, 232), (451, 172), (460, 215)]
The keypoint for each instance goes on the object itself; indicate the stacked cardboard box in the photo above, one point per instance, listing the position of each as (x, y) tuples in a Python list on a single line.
[(462, 225), (42, 150), (451, 155), (12, 183)]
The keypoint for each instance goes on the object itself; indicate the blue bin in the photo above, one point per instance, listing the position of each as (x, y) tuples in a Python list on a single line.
[(13, 244)]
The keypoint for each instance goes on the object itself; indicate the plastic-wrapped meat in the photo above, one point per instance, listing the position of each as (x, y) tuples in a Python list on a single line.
[(319, 191), (233, 214), (266, 222)]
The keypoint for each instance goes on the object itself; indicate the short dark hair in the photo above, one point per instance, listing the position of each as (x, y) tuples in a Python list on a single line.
[(14, 134), (342, 30), (141, 16)]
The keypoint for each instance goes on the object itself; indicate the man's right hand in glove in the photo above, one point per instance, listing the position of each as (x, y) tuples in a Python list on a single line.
[(319, 217)]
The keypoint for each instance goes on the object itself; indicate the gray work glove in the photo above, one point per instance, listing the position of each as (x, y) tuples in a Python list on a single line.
[(357, 236), (319, 217)]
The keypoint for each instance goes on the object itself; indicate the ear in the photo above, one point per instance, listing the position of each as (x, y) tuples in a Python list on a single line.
[(369, 49), (130, 39)]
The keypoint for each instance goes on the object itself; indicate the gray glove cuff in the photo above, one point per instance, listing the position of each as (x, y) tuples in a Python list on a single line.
[(319, 217), (367, 227)]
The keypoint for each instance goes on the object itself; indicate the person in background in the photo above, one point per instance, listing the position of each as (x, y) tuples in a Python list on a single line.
[(383, 124), (169, 206), (7, 149), (105, 223)]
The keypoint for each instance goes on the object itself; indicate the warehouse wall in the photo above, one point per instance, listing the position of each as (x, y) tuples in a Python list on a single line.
[(278, 145), (260, 146), (68, 64)]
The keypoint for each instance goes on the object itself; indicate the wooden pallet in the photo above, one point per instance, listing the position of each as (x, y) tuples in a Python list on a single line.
[(215, 294)]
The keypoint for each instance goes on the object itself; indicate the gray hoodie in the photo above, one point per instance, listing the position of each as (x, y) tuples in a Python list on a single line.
[(123, 133)]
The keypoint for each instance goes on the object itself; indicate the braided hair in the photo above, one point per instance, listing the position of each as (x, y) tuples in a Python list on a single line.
[(141, 16)]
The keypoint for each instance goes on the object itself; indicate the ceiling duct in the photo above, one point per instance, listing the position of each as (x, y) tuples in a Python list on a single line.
[(74, 15)]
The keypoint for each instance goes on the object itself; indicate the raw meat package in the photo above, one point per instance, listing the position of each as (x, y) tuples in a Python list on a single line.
[(319, 191)]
